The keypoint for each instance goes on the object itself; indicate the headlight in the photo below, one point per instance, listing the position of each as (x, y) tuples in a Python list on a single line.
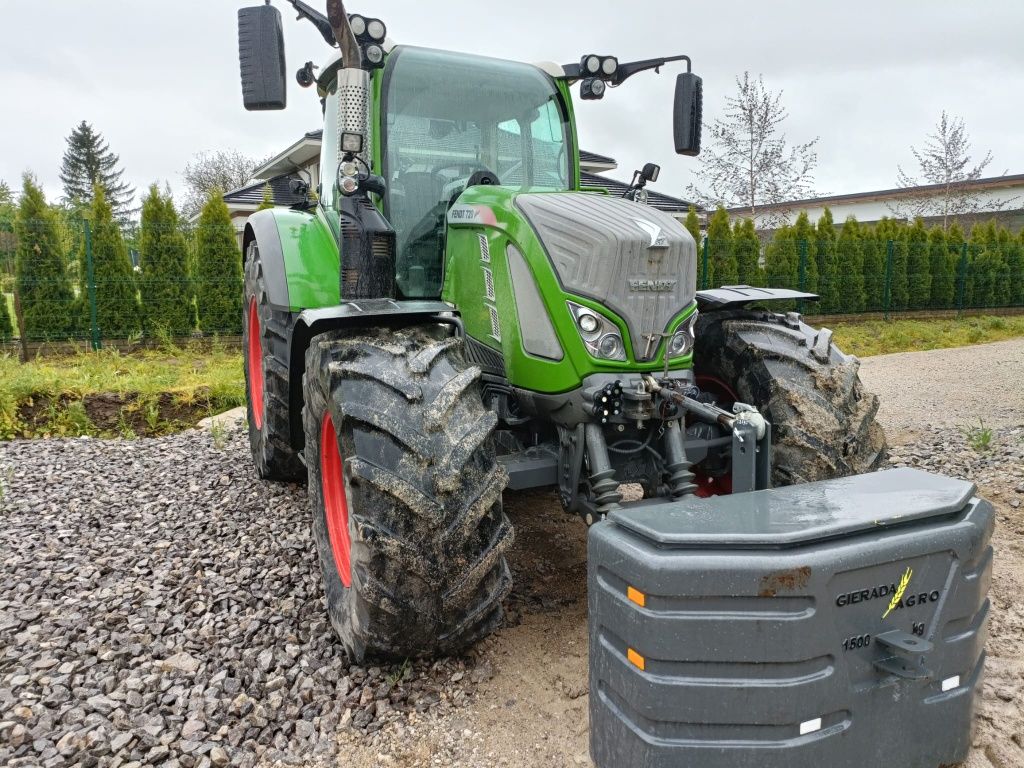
[(681, 343), (600, 335)]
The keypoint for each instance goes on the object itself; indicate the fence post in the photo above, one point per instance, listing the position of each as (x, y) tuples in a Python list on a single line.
[(890, 251), (961, 279), (803, 275), (704, 267), (90, 279)]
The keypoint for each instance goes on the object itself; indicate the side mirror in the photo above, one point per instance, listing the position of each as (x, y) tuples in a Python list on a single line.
[(651, 172), (687, 114), (261, 56)]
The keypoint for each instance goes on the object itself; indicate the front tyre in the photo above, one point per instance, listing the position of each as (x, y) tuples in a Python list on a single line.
[(405, 492), (823, 421)]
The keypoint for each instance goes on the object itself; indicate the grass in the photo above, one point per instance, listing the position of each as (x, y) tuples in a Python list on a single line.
[(149, 392), (879, 337), (979, 437)]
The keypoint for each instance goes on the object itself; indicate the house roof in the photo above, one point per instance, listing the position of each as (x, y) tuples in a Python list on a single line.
[(596, 162), (991, 182), (253, 193), (657, 200)]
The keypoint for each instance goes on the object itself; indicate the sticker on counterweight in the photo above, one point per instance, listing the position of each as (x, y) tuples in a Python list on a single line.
[(896, 592)]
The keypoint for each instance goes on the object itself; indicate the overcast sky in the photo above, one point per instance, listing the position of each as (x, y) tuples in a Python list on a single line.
[(160, 79)]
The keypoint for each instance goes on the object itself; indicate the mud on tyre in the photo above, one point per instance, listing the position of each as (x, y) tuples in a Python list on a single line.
[(265, 348), (823, 421), (406, 493)]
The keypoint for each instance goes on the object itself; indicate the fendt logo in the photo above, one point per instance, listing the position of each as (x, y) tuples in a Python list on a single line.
[(896, 592), (653, 286)]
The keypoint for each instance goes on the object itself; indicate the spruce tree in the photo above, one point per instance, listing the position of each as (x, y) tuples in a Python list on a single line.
[(163, 258), (919, 278), (850, 270), (943, 269), (88, 163), (874, 248), (41, 279), (268, 198), (825, 255), (722, 262), (806, 244), (218, 270), (117, 302), (781, 259), (747, 248)]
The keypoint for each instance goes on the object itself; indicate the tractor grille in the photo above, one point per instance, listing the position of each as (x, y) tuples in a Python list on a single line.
[(636, 260)]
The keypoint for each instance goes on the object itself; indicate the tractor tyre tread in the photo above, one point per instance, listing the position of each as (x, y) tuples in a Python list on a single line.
[(428, 544), (823, 420), (272, 452)]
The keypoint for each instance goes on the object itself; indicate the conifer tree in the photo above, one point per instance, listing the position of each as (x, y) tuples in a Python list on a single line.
[(781, 259), (825, 255), (806, 243), (41, 279), (693, 225), (163, 256), (982, 273), (850, 261), (218, 270), (899, 296), (117, 303), (874, 248), (268, 198), (1015, 270), (747, 247), (943, 269), (1004, 255), (88, 163), (919, 278), (722, 262), (960, 259)]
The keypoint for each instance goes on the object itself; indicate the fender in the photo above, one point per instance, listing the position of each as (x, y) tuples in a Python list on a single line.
[(300, 257), (736, 296), (365, 313), (262, 227)]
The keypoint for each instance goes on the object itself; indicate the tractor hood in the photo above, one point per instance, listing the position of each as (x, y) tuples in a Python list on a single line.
[(634, 259)]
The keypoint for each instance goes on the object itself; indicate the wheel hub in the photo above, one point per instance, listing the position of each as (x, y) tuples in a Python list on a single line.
[(332, 485), (255, 363)]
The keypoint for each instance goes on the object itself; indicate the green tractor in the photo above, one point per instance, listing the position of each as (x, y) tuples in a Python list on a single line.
[(451, 314)]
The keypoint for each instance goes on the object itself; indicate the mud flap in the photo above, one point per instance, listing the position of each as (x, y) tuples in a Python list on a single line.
[(838, 623)]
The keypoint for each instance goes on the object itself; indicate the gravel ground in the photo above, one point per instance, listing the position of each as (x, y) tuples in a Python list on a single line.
[(949, 387), (160, 605)]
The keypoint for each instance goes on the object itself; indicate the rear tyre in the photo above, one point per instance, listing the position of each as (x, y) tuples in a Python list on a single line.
[(406, 493), (823, 421), (265, 346)]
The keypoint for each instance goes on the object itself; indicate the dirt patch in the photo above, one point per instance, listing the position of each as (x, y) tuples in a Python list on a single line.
[(111, 414), (784, 581)]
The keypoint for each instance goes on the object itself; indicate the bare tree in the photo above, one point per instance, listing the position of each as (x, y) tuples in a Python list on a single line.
[(223, 170), (945, 163), (749, 163)]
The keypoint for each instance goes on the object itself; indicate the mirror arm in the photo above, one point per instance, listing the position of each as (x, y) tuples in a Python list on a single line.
[(318, 20), (574, 73)]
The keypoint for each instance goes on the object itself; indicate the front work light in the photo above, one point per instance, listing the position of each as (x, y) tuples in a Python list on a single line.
[(352, 142), (600, 335)]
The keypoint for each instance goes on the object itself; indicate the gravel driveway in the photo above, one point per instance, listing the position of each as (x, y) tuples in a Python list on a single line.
[(159, 605)]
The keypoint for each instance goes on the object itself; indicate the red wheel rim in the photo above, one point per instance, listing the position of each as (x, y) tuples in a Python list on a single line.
[(255, 363), (332, 484), (709, 485)]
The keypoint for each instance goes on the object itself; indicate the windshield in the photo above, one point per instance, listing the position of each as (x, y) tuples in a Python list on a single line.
[(447, 116)]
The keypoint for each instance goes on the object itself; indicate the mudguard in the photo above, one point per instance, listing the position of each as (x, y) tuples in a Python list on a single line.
[(735, 296), (262, 227), (839, 623)]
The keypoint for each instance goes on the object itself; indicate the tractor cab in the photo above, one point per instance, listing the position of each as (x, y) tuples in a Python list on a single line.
[(451, 120)]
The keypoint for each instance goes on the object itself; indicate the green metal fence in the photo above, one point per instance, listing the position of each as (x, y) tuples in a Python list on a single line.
[(70, 281), (879, 275)]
